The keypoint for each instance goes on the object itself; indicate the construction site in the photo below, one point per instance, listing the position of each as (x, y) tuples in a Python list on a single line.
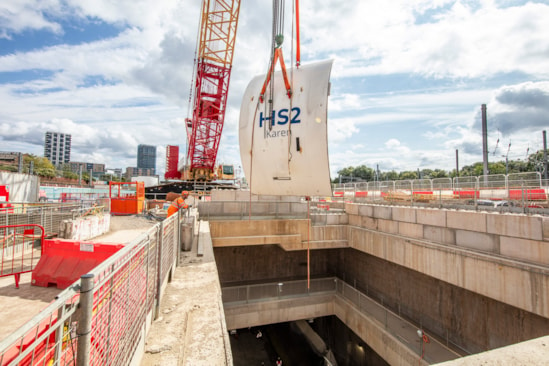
[(288, 269)]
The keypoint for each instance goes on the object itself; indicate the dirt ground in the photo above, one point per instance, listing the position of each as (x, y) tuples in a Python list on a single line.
[(124, 229), (18, 306)]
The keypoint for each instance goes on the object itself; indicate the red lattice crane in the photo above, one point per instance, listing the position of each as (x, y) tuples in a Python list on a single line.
[(214, 59)]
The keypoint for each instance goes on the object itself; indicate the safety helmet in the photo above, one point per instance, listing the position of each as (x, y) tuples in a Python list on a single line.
[(185, 193)]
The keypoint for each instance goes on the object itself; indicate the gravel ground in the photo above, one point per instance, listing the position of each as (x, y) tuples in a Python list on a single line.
[(190, 329)]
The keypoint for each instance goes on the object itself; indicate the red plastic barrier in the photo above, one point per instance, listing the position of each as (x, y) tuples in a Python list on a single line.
[(338, 194), (361, 194), (529, 194), (466, 194), (63, 261)]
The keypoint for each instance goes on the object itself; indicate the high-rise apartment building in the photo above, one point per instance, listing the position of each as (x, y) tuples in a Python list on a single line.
[(146, 157), (57, 147)]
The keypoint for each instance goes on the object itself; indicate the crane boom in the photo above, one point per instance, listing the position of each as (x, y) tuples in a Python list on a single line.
[(217, 36)]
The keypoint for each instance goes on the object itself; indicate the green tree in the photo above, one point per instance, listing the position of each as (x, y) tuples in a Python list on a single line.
[(42, 166), (392, 175), (439, 173), (535, 162), (409, 174), (353, 174), (68, 173), (497, 167)]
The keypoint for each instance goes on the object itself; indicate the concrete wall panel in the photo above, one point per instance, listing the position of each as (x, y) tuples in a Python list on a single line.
[(223, 195), (406, 214), (387, 226), (491, 277), (366, 210), (439, 234), (411, 230), (473, 321), (545, 222), (336, 219), (355, 220), (478, 241), (351, 208), (369, 223), (383, 212), (527, 227), (466, 220), (529, 250), (431, 217)]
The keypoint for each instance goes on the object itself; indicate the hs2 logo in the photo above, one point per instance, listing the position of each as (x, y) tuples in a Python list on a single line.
[(281, 117)]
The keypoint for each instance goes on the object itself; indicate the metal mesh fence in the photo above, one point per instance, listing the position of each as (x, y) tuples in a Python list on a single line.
[(521, 180), (519, 193), (49, 338), (49, 217), (20, 249), (498, 181), (126, 288)]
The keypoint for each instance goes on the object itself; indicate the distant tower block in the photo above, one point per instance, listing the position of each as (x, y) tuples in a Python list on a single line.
[(146, 157), (57, 148), (172, 159)]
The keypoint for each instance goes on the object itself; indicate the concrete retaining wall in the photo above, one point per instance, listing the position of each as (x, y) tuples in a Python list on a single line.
[(515, 236), (272, 312), (289, 234)]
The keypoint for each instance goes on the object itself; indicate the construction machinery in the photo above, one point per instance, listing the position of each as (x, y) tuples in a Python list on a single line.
[(210, 87)]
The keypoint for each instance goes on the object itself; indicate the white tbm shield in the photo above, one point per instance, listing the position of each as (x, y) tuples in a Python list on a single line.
[(283, 141)]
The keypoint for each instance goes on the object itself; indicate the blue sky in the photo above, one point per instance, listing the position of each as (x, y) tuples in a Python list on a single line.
[(407, 83)]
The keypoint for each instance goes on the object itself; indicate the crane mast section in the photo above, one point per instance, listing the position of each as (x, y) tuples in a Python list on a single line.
[(213, 71)]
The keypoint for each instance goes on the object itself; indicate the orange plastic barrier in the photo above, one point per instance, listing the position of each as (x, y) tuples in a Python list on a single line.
[(63, 261), (529, 194)]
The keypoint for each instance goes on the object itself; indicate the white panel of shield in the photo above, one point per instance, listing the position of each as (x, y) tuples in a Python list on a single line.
[(284, 144)]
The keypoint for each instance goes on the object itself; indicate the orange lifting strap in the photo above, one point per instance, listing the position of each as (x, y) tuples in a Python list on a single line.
[(277, 56)]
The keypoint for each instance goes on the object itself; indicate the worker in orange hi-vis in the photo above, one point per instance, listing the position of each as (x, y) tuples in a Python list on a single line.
[(178, 203)]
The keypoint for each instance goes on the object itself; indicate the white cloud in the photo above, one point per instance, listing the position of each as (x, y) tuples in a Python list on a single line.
[(341, 129), (17, 16), (132, 88)]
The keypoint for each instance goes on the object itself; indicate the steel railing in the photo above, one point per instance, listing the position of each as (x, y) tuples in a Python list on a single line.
[(438, 350), (20, 249)]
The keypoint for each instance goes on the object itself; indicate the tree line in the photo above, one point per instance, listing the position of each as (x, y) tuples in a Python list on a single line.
[(363, 173)]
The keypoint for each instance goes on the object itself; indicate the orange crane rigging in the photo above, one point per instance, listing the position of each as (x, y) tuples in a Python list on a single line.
[(210, 86)]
